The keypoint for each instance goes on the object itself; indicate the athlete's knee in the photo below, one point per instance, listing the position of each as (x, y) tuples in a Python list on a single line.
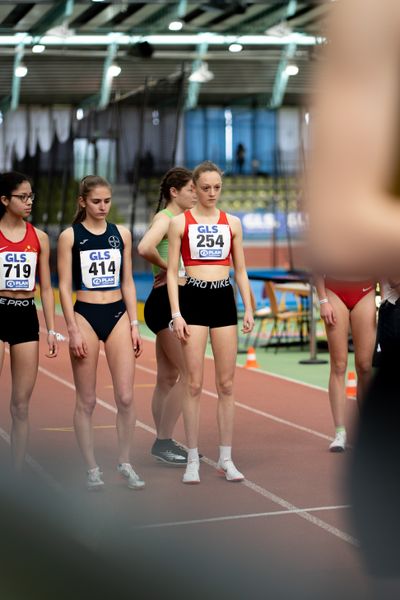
[(86, 405), (194, 388), (167, 379), (124, 401), (338, 366), (363, 367), (19, 410), (225, 387)]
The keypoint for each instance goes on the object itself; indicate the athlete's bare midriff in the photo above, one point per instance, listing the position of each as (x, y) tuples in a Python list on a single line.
[(98, 296)]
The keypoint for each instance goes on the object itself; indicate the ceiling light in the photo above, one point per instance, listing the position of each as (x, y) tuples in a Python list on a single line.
[(21, 70), (235, 47), (291, 69), (38, 48), (79, 114), (201, 74), (114, 70), (175, 26)]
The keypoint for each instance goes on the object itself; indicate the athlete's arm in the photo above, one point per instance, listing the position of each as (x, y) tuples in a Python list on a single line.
[(148, 244), (241, 277), (175, 232), (326, 310), (77, 343), (46, 291), (128, 290)]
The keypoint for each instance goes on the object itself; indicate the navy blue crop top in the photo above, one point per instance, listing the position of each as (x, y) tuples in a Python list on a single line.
[(97, 259)]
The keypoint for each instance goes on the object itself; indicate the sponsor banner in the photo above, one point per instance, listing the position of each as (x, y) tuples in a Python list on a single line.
[(262, 225)]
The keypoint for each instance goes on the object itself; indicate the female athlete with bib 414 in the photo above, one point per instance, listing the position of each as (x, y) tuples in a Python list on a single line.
[(207, 238), (95, 256)]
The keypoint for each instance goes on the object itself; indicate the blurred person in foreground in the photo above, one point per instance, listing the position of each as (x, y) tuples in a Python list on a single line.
[(354, 208)]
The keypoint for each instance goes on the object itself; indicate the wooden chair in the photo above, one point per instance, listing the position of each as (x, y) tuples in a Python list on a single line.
[(280, 316)]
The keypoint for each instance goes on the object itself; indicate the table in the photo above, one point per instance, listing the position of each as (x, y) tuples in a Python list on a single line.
[(298, 283)]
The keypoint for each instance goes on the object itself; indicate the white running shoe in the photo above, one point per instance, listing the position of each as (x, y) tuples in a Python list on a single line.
[(134, 480), (94, 480), (191, 475), (227, 468), (339, 443)]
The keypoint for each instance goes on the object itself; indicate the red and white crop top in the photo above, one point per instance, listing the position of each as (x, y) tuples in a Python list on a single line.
[(18, 261), (206, 243)]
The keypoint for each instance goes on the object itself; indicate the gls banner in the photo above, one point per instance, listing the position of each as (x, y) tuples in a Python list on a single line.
[(261, 225)]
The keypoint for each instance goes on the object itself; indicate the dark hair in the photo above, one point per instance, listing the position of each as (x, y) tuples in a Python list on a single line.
[(9, 182), (86, 185), (205, 167), (177, 177)]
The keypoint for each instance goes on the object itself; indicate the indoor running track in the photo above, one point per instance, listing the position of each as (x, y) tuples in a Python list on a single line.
[(288, 522)]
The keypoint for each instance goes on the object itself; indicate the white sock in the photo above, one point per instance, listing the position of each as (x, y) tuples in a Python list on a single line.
[(193, 454), (225, 453)]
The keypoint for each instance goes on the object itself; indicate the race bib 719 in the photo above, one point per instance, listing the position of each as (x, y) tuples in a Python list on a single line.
[(17, 270)]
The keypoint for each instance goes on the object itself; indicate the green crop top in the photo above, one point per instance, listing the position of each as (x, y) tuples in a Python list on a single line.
[(162, 247)]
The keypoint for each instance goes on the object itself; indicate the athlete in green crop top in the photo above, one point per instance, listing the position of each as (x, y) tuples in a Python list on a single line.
[(176, 195)]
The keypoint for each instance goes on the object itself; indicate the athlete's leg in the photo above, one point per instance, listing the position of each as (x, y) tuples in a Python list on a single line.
[(2, 352), (172, 365), (224, 346), (193, 350), (363, 327), (121, 360), (84, 371), (167, 375), (24, 367), (338, 351)]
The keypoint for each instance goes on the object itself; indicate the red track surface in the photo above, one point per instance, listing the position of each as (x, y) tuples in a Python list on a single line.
[(282, 431)]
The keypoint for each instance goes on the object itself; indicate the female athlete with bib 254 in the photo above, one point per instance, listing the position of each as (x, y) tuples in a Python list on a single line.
[(207, 238), (95, 256), (24, 250)]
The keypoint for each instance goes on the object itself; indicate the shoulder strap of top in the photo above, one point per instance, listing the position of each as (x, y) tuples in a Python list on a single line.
[(189, 218), (223, 219), (167, 212)]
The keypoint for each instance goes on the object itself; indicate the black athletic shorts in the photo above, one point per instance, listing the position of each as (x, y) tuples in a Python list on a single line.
[(208, 303), (387, 346), (157, 311), (102, 317), (19, 322)]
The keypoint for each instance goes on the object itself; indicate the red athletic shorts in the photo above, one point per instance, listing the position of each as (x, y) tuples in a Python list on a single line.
[(349, 292)]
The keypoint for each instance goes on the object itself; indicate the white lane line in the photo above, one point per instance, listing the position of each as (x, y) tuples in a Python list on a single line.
[(285, 378), (249, 484), (273, 513), (35, 466), (255, 411)]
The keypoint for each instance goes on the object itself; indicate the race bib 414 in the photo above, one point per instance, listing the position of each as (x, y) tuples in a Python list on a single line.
[(100, 268)]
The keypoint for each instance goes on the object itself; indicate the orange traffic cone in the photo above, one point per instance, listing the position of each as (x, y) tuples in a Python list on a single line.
[(351, 387), (251, 360)]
